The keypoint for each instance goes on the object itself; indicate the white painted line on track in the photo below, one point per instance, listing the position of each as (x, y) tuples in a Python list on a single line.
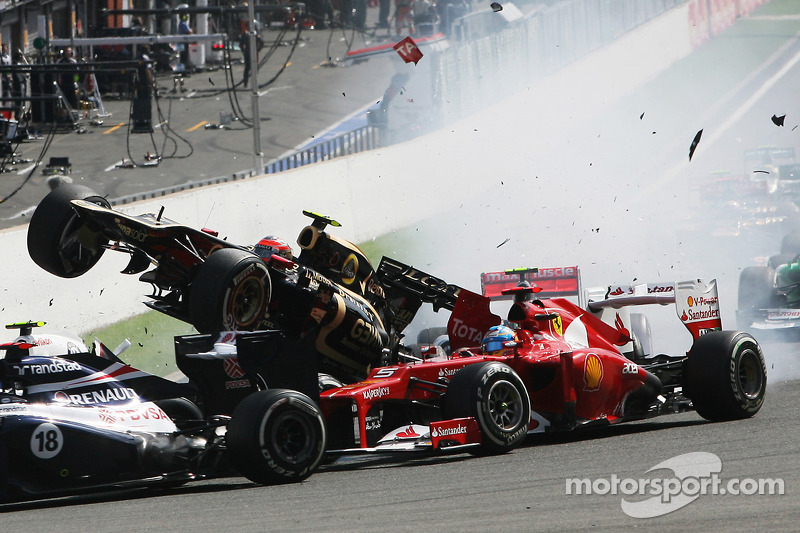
[(27, 169), (262, 93), (713, 136)]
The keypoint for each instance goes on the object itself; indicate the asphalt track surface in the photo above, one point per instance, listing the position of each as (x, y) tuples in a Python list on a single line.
[(522, 491), (314, 92)]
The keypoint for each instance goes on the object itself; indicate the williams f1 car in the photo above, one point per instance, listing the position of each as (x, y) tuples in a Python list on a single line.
[(75, 420)]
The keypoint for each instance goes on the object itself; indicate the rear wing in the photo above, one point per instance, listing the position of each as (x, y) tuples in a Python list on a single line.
[(553, 282), (696, 303)]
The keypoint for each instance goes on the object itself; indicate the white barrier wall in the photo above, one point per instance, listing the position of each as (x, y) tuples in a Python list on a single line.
[(370, 194)]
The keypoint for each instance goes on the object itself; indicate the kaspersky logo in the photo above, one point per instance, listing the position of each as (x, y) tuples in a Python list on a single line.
[(592, 372)]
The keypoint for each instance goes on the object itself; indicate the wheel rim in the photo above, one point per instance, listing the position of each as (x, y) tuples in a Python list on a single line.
[(505, 405), (292, 439), (75, 256), (751, 379), (247, 301)]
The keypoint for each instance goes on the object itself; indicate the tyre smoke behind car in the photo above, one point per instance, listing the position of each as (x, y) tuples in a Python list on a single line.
[(590, 167)]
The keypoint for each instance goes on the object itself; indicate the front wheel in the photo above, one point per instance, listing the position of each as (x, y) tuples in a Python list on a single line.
[(726, 375), (276, 436), (230, 291), (495, 396), (58, 240)]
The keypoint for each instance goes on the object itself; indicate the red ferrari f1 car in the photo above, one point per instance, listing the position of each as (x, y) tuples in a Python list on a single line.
[(561, 367)]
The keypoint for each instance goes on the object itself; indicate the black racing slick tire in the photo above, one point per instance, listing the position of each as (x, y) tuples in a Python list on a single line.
[(230, 291), (276, 436), (183, 412), (58, 241), (496, 397), (781, 259), (429, 335), (756, 289), (790, 244), (726, 375)]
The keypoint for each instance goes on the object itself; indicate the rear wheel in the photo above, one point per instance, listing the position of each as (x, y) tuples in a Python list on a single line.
[(276, 436), (756, 291), (183, 412), (230, 292), (58, 241), (495, 396), (790, 244), (781, 259), (726, 376)]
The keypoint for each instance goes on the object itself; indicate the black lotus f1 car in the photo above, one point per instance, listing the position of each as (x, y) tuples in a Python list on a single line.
[(328, 302)]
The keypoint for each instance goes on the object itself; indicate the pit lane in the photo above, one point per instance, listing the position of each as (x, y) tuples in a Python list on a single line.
[(521, 491)]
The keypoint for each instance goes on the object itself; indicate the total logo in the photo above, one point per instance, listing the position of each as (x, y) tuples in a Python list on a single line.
[(446, 432)]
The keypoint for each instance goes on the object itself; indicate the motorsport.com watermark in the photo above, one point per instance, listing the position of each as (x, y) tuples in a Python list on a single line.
[(693, 475)]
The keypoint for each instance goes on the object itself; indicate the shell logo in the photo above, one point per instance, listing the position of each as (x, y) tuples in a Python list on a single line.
[(592, 372), (690, 301)]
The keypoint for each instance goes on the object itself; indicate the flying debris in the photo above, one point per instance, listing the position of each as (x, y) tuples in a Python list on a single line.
[(408, 50), (496, 7), (502, 243), (641, 116), (778, 120), (695, 142), (211, 81)]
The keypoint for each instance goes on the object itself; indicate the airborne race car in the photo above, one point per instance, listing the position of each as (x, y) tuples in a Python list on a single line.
[(327, 303)]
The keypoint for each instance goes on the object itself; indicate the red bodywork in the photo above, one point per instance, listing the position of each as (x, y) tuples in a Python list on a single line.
[(568, 384)]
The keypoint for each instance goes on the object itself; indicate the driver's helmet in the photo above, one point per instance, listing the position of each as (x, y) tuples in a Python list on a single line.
[(495, 339), (271, 245), (52, 345)]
